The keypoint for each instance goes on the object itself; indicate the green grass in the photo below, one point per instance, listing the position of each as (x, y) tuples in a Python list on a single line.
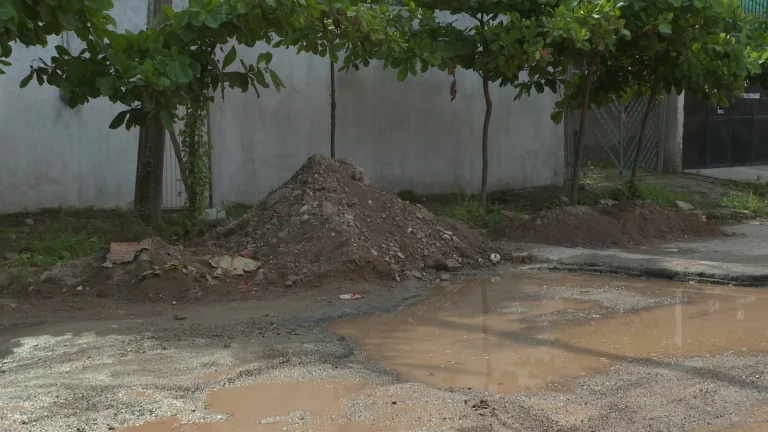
[(467, 209), (741, 202), (60, 235), (658, 194), (235, 210)]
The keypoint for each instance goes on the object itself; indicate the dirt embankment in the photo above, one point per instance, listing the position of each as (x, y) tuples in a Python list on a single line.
[(326, 223), (624, 224)]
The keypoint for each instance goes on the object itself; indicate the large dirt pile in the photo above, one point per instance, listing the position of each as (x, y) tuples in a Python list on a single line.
[(625, 224), (328, 222)]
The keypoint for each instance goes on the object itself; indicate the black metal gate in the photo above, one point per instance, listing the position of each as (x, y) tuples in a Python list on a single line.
[(736, 135)]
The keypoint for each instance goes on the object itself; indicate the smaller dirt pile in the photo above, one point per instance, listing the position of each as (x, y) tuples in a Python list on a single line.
[(328, 222), (624, 224)]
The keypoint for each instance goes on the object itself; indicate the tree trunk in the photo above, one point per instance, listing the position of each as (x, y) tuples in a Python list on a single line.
[(148, 198), (486, 124), (333, 109), (579, 145), (643, 125)]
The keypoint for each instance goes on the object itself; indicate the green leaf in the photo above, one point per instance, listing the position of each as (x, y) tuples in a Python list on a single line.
[(212, 20), (119, 119), (676, 3), (402, 73), (106, 86), (665, 28), (27, 79), (168, 119), (179, 71), (278, 83), (102, 5), (67, 20), (7, 12), (230, 57), (557, 117)]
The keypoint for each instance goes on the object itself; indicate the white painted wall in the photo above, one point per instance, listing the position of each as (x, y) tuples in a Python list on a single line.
[(405, 135)]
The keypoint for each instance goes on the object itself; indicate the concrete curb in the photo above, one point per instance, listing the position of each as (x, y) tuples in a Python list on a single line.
[(576, 259)]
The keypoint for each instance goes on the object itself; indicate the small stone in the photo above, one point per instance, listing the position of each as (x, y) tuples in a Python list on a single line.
[(304, 218), (607, 202), (395, 268), (727, 233), (10, 256), (401, 255), (452, 264), (397, 278), (684, 206), (259, 276), (446, 237), (289, 283), (46, 276), (445, 276), (416, 274), (64, 289), (29, 222), (80, 288), (173, 303), (495, 258), (304, 209), (564, 200)]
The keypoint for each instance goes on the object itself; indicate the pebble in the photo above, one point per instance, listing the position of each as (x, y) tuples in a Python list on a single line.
[(416, 274), (304, 218), (289, 283), (80, 288), (29, 222), (445, 276), (684, 206), (10, 255), (304, 209), (46, 276), (173, 303)]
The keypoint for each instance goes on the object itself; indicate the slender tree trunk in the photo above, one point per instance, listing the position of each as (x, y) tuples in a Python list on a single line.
[(641, 139), (579, 145), (180, 160), (148, 200), (333, 109), (486, 124), (148, 196)]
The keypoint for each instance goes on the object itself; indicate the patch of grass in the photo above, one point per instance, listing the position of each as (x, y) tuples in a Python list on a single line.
[(467, 209), (235, 210), (60, 235), (658, 194), (751, 202)]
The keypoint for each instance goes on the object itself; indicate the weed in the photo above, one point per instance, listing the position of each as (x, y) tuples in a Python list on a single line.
[(747, 202), (60, 235), (467, 209), (658, 194), (235, 210)]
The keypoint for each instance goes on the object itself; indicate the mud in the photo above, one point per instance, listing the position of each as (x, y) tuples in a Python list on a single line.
[(510, 335), (253, 365)]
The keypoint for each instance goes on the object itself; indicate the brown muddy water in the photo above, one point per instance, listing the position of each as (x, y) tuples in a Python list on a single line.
[(527, 332), (518, 333)]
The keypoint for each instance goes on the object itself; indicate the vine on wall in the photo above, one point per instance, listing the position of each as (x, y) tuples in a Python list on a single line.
[(195, 149)]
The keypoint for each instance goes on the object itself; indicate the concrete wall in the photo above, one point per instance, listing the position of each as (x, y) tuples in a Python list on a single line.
[(405, 135)]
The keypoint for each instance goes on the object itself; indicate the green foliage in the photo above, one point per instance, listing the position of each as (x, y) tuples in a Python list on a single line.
[(469, 210), (750, 202), (658, 194), (31, 22), (196, 151)]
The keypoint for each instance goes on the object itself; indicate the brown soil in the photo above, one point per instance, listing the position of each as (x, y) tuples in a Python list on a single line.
[(328, 222), (628, 223)]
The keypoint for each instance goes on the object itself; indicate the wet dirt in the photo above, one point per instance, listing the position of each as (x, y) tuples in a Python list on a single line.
[(509, 335), (275, 406)]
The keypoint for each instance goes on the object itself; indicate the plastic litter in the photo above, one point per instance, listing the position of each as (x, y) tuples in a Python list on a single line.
[(351, 296)]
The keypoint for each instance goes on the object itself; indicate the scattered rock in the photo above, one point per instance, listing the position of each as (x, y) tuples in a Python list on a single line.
[(173, 303), (607, 202), (445, 276), (564, 200), (684, 206), (288, 283), (727, 233), (80, 288), (10, 256), (495, 258), (29, 222)]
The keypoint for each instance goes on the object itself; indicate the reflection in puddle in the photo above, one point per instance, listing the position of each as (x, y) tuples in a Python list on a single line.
[(507, 337)]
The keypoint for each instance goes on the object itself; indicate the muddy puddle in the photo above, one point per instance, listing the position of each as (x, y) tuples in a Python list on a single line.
[(321, 406), (527, 332)]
